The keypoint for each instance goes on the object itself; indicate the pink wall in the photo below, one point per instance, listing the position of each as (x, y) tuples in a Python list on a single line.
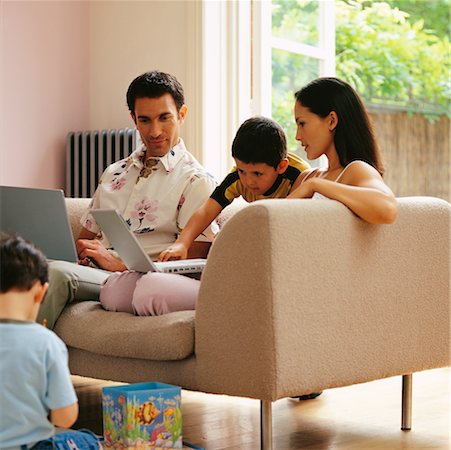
[(44, 88)]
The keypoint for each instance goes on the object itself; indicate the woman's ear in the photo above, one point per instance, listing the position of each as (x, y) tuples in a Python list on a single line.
[(333, 120)]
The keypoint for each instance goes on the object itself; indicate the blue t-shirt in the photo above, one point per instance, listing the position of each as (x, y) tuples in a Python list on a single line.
[(34, 379)]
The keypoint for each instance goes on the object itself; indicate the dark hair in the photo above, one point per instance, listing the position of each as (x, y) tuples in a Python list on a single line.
[(21, 264), (354, 135), (155, 84), (260, 140)]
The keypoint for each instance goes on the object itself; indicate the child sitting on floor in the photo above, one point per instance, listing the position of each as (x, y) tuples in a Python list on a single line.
[(36, 391)]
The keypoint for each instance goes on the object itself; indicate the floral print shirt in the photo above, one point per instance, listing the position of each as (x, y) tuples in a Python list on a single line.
[(156, 198)]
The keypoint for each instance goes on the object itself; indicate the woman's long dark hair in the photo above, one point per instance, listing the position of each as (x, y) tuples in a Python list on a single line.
[(354, 136)]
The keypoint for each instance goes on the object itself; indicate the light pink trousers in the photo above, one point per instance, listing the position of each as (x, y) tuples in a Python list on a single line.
[(149, 294)]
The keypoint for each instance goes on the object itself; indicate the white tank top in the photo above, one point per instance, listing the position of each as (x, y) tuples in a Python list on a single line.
[(317, 195)]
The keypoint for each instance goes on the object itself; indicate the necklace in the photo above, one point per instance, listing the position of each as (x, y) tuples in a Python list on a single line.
[(148, 166)]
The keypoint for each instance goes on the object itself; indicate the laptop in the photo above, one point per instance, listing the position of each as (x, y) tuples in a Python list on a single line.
[(129, 249), (40, 216)]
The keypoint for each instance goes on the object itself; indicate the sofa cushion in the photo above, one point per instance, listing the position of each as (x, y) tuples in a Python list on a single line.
[(76, 207), (86, 325)]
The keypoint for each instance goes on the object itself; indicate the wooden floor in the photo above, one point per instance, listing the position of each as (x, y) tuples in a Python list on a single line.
[(361, 417)]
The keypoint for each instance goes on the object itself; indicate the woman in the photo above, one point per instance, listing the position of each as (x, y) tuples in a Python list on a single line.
[(332, 121)]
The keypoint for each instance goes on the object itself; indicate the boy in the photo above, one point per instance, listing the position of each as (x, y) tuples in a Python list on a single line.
[(36, 392), (263, 170)]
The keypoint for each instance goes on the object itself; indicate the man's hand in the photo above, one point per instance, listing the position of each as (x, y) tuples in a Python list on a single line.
[(176, 251), (92, 250)]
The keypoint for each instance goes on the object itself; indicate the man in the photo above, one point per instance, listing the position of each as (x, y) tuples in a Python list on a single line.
[(156, 189)]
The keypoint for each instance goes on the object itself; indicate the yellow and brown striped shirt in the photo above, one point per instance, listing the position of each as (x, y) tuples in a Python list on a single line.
[(232, 187)]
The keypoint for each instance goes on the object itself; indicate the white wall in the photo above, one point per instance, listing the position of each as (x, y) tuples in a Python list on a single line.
[(66, 66), (127, 39)]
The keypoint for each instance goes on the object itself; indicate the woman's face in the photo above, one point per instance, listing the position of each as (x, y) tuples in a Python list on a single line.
[(316, 134)]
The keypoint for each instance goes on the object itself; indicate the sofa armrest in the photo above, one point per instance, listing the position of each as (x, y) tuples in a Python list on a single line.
[(76, 207), (301, 295)]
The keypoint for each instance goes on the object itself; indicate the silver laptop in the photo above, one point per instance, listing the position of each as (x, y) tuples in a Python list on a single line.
[(129, 249), (40, 216)]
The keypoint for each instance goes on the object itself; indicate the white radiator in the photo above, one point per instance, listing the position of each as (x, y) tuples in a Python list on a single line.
[(88, 153)]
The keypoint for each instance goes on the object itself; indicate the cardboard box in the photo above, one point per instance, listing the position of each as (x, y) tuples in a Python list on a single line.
[(142, 416)]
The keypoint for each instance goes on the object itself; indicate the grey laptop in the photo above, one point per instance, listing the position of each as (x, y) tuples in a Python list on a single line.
[(129, 249), (40, 216)]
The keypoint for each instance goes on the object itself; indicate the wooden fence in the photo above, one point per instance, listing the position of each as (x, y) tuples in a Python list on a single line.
[(416, 153)]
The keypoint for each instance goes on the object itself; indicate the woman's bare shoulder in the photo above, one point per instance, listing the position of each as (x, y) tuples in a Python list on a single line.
[(358, 169)]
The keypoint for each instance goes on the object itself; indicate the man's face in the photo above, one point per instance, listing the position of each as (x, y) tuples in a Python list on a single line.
[(158, 123), (259, 177)]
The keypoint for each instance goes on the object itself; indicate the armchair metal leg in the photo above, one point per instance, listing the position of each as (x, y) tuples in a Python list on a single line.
[(265, 425), (406, 409)]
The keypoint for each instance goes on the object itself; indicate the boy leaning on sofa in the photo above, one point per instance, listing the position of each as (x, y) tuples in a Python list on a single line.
[(263, 170)]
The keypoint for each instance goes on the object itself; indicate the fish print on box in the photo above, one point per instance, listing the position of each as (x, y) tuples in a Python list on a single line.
[(142, 416)]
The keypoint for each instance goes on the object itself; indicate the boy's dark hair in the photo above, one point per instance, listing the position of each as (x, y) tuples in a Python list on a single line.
[(260, 140), (154, 84), (21, 264), (354, 135)]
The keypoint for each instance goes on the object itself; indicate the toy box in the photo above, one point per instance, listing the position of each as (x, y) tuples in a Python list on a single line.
[(142, 416)]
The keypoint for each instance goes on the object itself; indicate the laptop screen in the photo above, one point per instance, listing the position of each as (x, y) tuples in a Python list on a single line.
[(40, 216)]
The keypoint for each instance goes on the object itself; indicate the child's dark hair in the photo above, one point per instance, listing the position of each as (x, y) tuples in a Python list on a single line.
[(21, 264), (354, 135), (260, 140), (154, 84)]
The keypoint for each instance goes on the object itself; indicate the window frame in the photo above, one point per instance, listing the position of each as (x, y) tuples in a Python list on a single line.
[(236, 79)]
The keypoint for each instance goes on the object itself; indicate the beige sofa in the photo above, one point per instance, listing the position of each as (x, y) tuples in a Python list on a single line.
[(297, 296)]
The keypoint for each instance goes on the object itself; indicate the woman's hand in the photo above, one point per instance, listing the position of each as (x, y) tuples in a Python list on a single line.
[(305, 190), (361, 189), (176, 251)]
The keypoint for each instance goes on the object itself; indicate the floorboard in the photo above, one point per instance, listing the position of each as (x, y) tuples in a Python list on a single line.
[(361, 417)]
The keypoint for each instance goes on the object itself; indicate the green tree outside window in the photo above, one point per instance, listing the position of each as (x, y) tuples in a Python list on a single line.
[(394, 52)]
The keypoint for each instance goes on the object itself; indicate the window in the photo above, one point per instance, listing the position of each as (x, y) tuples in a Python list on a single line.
[(260, 52), (255, 55), (302, 48)]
